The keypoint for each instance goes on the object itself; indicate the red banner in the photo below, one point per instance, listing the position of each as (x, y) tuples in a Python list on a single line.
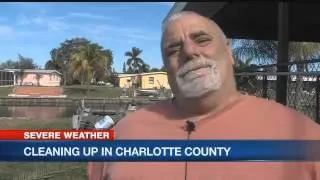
[(57, 135)]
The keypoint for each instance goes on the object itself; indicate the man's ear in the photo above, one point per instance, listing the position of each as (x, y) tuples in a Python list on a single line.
[(230, 52)]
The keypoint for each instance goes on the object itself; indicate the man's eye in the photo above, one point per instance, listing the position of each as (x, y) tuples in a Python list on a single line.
[(203, 41), (172, 52)]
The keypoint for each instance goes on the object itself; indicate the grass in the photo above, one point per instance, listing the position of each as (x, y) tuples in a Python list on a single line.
[(77, 91), (4, 91), (92, 91), (41, 170)]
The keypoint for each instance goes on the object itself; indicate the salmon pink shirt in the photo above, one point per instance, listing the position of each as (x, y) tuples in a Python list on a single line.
[(247, 118)]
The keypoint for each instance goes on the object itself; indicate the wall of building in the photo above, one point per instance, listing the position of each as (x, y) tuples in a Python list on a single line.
[(123, 81), (150, 81), (53, 79)]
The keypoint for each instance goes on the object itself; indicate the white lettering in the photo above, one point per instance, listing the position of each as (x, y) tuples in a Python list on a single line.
[(41, 135), (207, 151), (105, 151), (146, 151), (51, 151), (86, 135), (90, 151)]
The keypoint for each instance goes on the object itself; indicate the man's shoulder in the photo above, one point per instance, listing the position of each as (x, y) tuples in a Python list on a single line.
[(152, 110), (274, 108), (283, 116)]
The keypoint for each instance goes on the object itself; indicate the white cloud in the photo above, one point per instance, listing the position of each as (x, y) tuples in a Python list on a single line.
[(38, 20), (89, 16), (58, 25), (166, 3), (130, 34), (145, 36), (22, 20), (119, 31), (5, 30), (15, 3), (51, 23), (49, 26)]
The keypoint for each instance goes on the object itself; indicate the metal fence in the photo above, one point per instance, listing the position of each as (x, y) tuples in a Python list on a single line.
[(6, 78), (303, 86)]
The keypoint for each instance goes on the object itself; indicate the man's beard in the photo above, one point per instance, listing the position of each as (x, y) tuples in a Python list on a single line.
[(198, 77)]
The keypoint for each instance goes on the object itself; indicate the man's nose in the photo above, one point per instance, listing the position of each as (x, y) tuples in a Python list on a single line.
[(190, 51)]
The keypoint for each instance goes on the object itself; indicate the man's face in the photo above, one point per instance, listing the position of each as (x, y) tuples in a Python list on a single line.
[(196, 56)]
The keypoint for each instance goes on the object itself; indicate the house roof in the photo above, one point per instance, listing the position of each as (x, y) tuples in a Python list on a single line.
[(42, 71), (141, 74), (258, 19)]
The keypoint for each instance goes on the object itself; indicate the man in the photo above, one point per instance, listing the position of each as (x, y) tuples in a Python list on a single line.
[(199, 62)]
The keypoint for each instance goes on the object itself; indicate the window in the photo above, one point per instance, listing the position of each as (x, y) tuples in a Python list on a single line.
[(151, 80)]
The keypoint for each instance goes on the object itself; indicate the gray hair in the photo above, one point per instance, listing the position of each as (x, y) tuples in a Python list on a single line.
[(176, 16), (181, 14)]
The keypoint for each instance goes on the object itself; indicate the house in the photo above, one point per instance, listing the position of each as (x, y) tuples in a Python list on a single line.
[(125, 80), (147, 80), (30, 77)]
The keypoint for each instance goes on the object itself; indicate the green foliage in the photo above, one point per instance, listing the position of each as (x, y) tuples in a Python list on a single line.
[(155, 70), (80, 59), (266, 51), (4, 91), (9, 64), (124, 68), (135, 63), (163, 68), (113, 78), (21, 63)]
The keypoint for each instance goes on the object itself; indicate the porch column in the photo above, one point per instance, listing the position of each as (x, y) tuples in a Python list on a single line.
[(282, 54)]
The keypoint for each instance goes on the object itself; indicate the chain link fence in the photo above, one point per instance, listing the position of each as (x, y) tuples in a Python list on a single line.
[(303, 86)]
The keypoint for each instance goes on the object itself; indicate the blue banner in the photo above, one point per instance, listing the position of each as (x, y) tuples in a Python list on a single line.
[(160, 150)]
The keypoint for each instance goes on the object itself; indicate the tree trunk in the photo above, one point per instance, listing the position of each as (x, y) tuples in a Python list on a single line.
[(64, 78)]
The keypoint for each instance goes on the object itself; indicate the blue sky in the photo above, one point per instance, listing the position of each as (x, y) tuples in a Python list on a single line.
[(33, 29)]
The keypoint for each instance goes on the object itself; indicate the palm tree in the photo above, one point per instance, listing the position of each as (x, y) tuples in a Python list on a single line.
[(145, 68), (136, 64), (91, 62), (100, 60), (134, 61), (109, 60), (245, 83), (124, 68), (51, 65), (267, 51), (80, 65), (243, 66)]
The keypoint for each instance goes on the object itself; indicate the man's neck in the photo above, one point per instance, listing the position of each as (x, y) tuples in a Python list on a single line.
[(209, 104)]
